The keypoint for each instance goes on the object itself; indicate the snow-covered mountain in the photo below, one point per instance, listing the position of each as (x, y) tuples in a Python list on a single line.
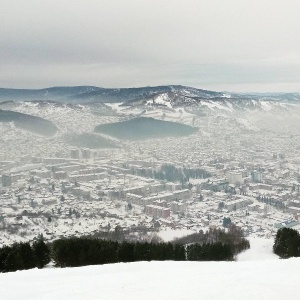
[(97, 94), (225, 104), (49, 94), (165, 100), (172, 94)]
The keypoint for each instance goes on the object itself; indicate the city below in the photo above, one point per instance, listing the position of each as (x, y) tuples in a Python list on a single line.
[(237, 167)]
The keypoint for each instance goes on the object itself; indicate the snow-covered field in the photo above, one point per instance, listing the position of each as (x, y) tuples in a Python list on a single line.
[(249, 278), (270, 279)]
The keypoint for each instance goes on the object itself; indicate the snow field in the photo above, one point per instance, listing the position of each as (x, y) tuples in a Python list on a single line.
[(260, 249), (268, 279), (258, 274)]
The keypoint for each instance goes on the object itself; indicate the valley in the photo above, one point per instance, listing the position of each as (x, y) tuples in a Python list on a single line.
[(239, 161)]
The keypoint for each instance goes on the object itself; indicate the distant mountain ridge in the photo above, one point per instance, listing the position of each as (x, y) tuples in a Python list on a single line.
[(176, 94), (51, 94), (98, 94)]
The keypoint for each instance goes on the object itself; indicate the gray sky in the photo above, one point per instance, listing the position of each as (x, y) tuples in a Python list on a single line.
[(233, 45)]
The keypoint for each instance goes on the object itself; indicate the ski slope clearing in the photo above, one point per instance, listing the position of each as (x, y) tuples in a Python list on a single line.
[(269, 279), (261, 249)]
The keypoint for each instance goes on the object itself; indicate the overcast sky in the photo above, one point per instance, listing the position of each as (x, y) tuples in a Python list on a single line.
[(232, 45)]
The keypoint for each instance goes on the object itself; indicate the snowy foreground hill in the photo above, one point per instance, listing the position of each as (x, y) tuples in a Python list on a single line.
[(158, 280), (259, 279)]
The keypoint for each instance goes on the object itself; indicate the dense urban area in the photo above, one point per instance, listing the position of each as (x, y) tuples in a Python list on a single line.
[(237, 168)]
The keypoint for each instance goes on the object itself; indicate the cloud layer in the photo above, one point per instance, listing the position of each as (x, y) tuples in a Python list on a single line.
[(232, 45)]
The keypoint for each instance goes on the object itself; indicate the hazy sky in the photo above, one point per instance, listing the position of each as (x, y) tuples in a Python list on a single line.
[(233, 45)]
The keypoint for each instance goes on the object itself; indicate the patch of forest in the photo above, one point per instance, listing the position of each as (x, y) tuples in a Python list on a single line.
[(233, 237), (90, 140), (214, 245), (145, 128), (28, 122), (170, 173)]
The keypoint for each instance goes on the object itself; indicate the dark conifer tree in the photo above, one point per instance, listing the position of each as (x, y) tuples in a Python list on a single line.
[(126, 252), (27, 255), (287, 243), (4, 252), (179, 252), (41, 252)]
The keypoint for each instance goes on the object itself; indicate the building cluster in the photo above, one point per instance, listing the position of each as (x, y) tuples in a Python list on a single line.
[(51, 187)]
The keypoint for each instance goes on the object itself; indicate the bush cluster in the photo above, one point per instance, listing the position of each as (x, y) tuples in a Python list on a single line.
[(232, 237), (287, 243)]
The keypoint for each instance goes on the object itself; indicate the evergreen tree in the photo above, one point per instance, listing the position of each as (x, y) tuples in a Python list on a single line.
[(41, 252), (226, 222), (27, 255), (287, 243), (19, 257), (13, 260), (4, 252), (126, 252), (179, 252)]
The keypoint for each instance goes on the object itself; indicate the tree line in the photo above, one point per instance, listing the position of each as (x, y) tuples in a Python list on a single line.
[(215, 245), (77, 252), (171, 173), (209, 252), (232, 237), (271, 201)]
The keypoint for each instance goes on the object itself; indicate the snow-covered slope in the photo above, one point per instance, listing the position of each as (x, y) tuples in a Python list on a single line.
[(261, 249), (158, 280), (219, 104), (258, 274)]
